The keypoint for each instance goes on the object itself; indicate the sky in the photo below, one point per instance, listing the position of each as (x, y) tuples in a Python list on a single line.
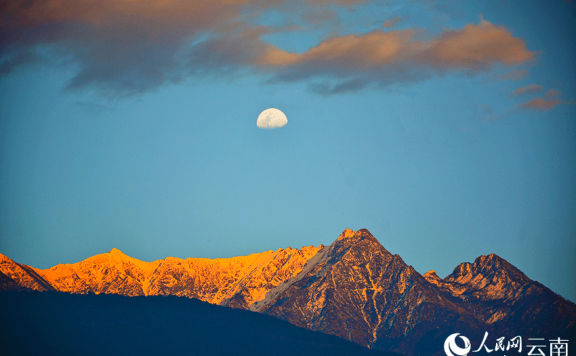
[(445, 128)]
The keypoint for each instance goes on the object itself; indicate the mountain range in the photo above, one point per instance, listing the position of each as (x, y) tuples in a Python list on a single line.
[(354, 289)]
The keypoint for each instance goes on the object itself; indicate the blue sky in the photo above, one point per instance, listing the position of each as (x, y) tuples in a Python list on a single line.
[(448, 129)]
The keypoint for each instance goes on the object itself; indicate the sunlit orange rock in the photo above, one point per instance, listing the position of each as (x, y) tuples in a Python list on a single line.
[(236, 282), (17, 276)]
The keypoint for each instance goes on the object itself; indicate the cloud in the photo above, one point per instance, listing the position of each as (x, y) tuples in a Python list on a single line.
[(541, 104), (390, 23), (478, 47), (382, 58), (529, 89), (19, 59), (552, 94), (548, 102), (126, 46), (515, 74)]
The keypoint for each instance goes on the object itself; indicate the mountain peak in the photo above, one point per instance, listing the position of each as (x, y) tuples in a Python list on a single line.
[(117, 252), (356, 236), (347, 233), (431, 275), (485, 265), (489, 260), (492, 263), (490, 277)]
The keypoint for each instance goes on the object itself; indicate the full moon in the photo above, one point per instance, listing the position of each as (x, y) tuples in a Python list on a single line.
[(271, 119)]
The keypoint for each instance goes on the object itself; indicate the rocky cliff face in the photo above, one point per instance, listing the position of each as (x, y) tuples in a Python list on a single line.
[(354, 289)]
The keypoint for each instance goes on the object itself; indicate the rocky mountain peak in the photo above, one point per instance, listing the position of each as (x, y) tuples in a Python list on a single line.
[(489, 278), (346, 233), (352, 237), (492, 261), (354, 289), (487, 267), (116, 251), (431, 275), (462, 270)]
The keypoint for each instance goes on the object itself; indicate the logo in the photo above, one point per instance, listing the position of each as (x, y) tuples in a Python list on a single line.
[(537, 347), (451, 349)]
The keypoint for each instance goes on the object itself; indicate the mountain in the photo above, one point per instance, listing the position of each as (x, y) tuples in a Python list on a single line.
[(236, 282), (62, 324), (15, 276), (505, 298), (354, 289), (359, 291)]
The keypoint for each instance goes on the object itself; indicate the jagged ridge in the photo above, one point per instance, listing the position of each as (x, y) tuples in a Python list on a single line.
[(236, 281)]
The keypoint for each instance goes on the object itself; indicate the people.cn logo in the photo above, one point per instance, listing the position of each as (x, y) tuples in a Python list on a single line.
[(451, 349)]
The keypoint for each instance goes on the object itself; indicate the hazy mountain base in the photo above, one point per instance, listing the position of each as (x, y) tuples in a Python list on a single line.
[(55, 323)]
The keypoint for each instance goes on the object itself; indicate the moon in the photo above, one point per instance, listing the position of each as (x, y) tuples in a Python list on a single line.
[(271, 119), (451, 349)]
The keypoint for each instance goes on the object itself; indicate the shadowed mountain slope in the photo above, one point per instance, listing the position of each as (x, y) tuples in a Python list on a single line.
[(53, 323)]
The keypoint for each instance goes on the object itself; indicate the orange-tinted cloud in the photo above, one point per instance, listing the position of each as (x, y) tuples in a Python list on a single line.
[(474, 47), (477, 47), (382, 57), (390, 23), (101, 12), (127, 46), (541, 104), (548, 102), (137, 45), (552, 94), (352, 51), (529, 89)]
